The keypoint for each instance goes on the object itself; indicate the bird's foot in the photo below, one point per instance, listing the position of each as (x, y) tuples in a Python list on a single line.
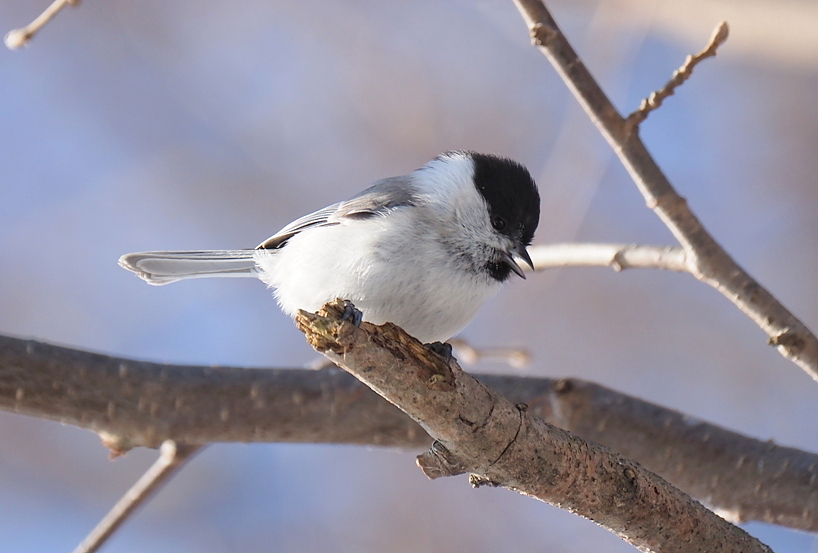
[(352, 313), (443, 349)]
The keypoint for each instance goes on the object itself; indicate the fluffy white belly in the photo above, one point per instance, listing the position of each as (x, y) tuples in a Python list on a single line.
[(400, 283)]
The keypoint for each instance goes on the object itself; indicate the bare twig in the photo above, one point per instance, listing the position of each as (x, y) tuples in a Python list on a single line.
[(516, 357), (171, 457), (135, 403), (616, 256), (705, 257), (17, 38), (679, 76), (476, 430)]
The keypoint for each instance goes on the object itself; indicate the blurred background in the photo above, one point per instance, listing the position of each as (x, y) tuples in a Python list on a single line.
[(133, 126)]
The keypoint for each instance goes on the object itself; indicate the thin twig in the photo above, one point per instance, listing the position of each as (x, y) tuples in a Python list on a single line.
[(470, 355), (171, 457), (679, 76), (17, 38), (616, 256), (706, 259)]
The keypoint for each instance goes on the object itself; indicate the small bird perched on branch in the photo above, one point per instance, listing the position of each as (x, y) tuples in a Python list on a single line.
[(422, 250)]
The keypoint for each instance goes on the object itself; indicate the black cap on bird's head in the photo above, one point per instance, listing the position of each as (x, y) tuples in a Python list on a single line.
[(514, 208)]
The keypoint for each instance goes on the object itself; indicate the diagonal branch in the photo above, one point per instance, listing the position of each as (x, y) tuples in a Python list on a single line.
[(17, 38), (171, 457), (706, 259), (479, 431)]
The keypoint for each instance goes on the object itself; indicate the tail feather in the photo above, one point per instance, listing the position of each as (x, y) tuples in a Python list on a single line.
[(159, 268)]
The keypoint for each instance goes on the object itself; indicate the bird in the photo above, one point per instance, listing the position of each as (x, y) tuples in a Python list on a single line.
[(422, 250)]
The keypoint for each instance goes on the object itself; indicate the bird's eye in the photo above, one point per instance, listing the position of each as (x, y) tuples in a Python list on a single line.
[(498, 223)]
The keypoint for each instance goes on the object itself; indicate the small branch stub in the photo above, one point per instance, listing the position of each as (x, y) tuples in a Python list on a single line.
[(518, 358), (17, 38)]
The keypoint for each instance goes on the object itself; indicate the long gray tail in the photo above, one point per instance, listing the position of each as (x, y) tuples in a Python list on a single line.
[(159, 268)]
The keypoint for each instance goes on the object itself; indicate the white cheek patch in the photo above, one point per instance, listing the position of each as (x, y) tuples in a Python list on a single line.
[(452, 193)]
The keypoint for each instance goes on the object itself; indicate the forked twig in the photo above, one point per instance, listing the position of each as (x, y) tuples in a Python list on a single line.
[(17, 38), (171, 457), (679, 76), (705, 258)]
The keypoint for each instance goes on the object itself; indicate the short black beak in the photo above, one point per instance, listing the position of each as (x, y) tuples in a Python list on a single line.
[(520, 252)]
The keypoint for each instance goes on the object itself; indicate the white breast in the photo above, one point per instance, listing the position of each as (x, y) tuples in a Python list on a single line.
[(397, 273)]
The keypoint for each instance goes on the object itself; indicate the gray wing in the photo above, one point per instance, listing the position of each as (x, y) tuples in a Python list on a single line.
[(379, 199), (318, 218)]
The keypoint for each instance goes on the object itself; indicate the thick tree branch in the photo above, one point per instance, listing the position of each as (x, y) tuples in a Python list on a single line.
[(742, 478), (477, 430), (135, 403), (706, 259)]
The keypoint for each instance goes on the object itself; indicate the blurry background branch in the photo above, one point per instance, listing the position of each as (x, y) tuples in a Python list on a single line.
[(616, 256), (679, 76), (133, 403), (172, 456), (17, 38)]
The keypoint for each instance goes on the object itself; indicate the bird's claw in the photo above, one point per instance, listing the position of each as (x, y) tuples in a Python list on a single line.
[(443, 349), (352, 313)]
